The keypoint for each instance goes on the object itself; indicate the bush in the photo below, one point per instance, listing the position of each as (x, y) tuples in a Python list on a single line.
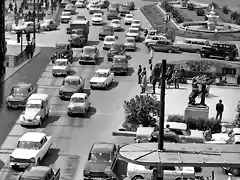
[(225, 9), (139, 108), (191, 6), (200, 66), (180, 19), (200, 12), (237, 119), (175, 13), (234, 15), (168, 7)]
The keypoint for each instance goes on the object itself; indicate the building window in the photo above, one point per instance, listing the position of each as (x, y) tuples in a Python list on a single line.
[(229, 71)]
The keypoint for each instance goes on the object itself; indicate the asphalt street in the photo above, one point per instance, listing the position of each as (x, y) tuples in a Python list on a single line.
[(73, 137)]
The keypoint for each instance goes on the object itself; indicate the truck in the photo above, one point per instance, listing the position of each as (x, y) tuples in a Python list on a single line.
[(82, 25)]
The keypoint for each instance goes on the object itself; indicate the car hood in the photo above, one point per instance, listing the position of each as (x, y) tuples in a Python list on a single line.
[(66, 17), (68, 88), (132, 34), (108, 42), (128, 19), (106, 33), (88, 55), (71, 104), (68, 9), (129, 44), (31, 113), (96, 166), (24, 153), (59, 67), (16, 98), (98, 79)]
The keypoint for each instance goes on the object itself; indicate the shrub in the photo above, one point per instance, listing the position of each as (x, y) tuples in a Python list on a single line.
[(175, 13), (215, 5), (234, 15), (164, 4), (238, 20), (200, 12), (138, 110), (168, 7), (200, 66), (180, 19), (237, 119), (175, 118), (191, 6), (225, 9)]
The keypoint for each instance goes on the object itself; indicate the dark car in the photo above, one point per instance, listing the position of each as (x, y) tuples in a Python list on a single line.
[(101, 161), (164, 46), (105, 31), (64, 3), (169, 136), (114, 6), (116, 49), (70, 8), (79, 17), (131, 5), (120, 64), (19, 95), (71, 85), (65, 49), (90, 54), (112, 14), (40, 173), (222, 50), (123, 10), (77, 38), (104, 4)]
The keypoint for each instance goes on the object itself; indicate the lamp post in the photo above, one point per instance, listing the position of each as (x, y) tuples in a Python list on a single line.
[(34, 21), (38, 9), (21, 41), (2, 37)]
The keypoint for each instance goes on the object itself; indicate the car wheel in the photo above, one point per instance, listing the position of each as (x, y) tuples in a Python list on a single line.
[(203, 55), (105, 86), (235, 171), (38, 162), (69, 114), (48, 29), (137, 177), (227, 57), (170, 51), (47, 114), (40, 122), (54, 75)]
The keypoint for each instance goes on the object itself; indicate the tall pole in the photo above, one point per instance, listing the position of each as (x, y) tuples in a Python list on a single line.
[(52, 6), (162, 114), (2, 37), (38, 9), (34, 21)]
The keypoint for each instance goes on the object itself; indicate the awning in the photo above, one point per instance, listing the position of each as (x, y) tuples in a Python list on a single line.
[(197, 155)]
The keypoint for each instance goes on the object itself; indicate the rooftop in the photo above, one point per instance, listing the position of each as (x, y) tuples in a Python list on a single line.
[(32, 136), (102, 147)]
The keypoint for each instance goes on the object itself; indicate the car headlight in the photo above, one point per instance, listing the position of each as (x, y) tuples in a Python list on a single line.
[(32, 160), (11, 158)]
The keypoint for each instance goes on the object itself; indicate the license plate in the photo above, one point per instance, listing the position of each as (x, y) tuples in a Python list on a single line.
[(29, 120)]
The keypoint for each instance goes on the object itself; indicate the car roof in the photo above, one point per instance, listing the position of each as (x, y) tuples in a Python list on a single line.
[(89, 47), (136, 20), (38, 96), (79, 95), (102, 147), (61, 60), (103, 70), (97, 14), (110, 37), (116, 20), (22, 85), (128, 14), (79, 21), (176, 125), (131, 28), (72, 78), (236, 130), (119, 57), (36, 172), (32, 136)]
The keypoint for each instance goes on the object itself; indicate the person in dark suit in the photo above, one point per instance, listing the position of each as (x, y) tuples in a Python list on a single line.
[(139, 74), (219, 109)]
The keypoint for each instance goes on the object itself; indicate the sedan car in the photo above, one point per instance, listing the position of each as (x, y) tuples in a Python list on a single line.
[(112, 14), (116, 49), (116, 24), (120, 64), (131, 5), (123, 10), (130, 44), (105, 31), (66, 17), (102, 157), (71, 85), (90, 54), (80, 4), (19, 95), (128, 19), (40, 173), (61, 67), (136, 23), (104, 3), (79, 104), (102, 79), (108, 42), (64, 3), (97, 19), (48, 25), (133, 32), (70, 8), (26, 26), (152, 39), (94, 8), (165, 46), (31, 149)]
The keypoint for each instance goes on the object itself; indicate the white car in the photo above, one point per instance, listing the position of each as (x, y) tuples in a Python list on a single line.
[(61, 67), (97, 19), (128, 19), (24, 26), (79, 104), (133, 32), (136, 23), (171, 172), (232, 137), (30, 150), (130, 43), (80, 4), (66, 17), (116, 24), (94, 8), (153, 39), (102, 79), (108, 42)]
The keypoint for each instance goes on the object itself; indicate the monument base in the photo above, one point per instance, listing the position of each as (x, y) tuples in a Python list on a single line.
[(196, 111)]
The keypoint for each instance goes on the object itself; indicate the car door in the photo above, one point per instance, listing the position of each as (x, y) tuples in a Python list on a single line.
[(44, 145), (215, 50)]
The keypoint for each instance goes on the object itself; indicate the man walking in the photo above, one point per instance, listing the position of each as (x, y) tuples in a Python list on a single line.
[(144, 82), (139, 74), (219, 109), (154, 81)]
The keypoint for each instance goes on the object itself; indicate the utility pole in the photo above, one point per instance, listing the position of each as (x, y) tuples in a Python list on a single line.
[(38, 9), (34, 21), (162, 114), (2, 37)]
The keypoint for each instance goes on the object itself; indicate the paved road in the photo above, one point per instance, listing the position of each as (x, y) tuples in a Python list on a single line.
[(73, 137)]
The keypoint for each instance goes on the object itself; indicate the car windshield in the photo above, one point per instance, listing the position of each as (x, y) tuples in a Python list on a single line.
[(70, 82), (130, 40), (66, 14), (88, 51), (110, 39), (133, 30), (28, 145), (100, 74), (98, 15), (129, 16), (107, 29), (119, 61), (100, 157), (60, 63), (17, 91), (77, 100), (33, 106)]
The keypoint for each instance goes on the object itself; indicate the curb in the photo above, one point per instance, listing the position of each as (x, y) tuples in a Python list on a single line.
[(124, 133)]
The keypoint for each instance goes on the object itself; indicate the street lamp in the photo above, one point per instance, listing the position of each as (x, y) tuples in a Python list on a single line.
[(34, 22)]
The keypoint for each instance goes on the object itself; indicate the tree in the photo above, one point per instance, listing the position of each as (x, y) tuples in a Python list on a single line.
[(237, 119), (200, 12), (175, 13), (234, 15), (139, 108), (191, 6), (225, 9), (200, 66), (180, 19)]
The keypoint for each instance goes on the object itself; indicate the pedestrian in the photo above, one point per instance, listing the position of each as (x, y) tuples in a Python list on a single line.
[(176, 77), (38, 27), (139, 74), (28, 36), (182, 75), (144, 82), (18, 36), (10, 6), (208, 134), (154, 82), (32, 49), (28, 50), (219, 109), (144, 71), (169, 74), (145, 32)]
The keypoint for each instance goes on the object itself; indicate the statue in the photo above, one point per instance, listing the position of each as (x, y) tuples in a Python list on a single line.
[(197, 82)]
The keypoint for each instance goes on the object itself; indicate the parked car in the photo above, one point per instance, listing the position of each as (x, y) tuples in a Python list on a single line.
[(108, 42), (97, 19), (31, 149), (64, 3), (120, 64), (49, 25), (26, 26), (128, 19), (70, 8), (90, 54), (130, 44), (112, 14), (102, 79), (116, 49), (123, 10), (226, 51), (152, 39), (81, 4), (61, 67), (71, 85), (136, 23), (134, 32), (79, 104), (131, 5), (19, 95), (94, 9), (66, 17), (101, 161), (164, 46), (105, 31), (40, 173), (116, 24), (104, 3)]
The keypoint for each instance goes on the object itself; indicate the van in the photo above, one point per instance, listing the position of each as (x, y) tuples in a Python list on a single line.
[(192, 45), (36, 110)]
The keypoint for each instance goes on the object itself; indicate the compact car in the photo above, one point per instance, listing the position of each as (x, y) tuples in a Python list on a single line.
[(79, 104), (165, 46), (105, 31), (108, 42), (94, 8), (133, 32), (136, 23), (120, 64), (102, 79), (130, 44), (61, 67), (116, 24), (70, 8), (27, 26), (49, 25), (66, 17), (116, 49), (81, 4), (128, 19), (90, 54), (97, 19)]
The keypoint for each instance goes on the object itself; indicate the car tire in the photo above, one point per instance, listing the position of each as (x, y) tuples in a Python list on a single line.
[(105, 87), (170, 51), (69, 114), (227, 57), (48, 29), (40, 123), (54, 75), (137, 177), (38, 162), (203, 55), (235, 171)]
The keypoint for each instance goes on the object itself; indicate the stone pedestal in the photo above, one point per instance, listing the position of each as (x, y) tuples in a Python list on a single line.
[(197, 111)]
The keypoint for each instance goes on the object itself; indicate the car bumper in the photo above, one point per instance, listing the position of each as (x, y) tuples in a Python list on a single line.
[(119, 70), (29, 122), (65, 20), (98, 85), (87, 61), (97, 22), (20, 165), (59, 73), (76, 111)]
